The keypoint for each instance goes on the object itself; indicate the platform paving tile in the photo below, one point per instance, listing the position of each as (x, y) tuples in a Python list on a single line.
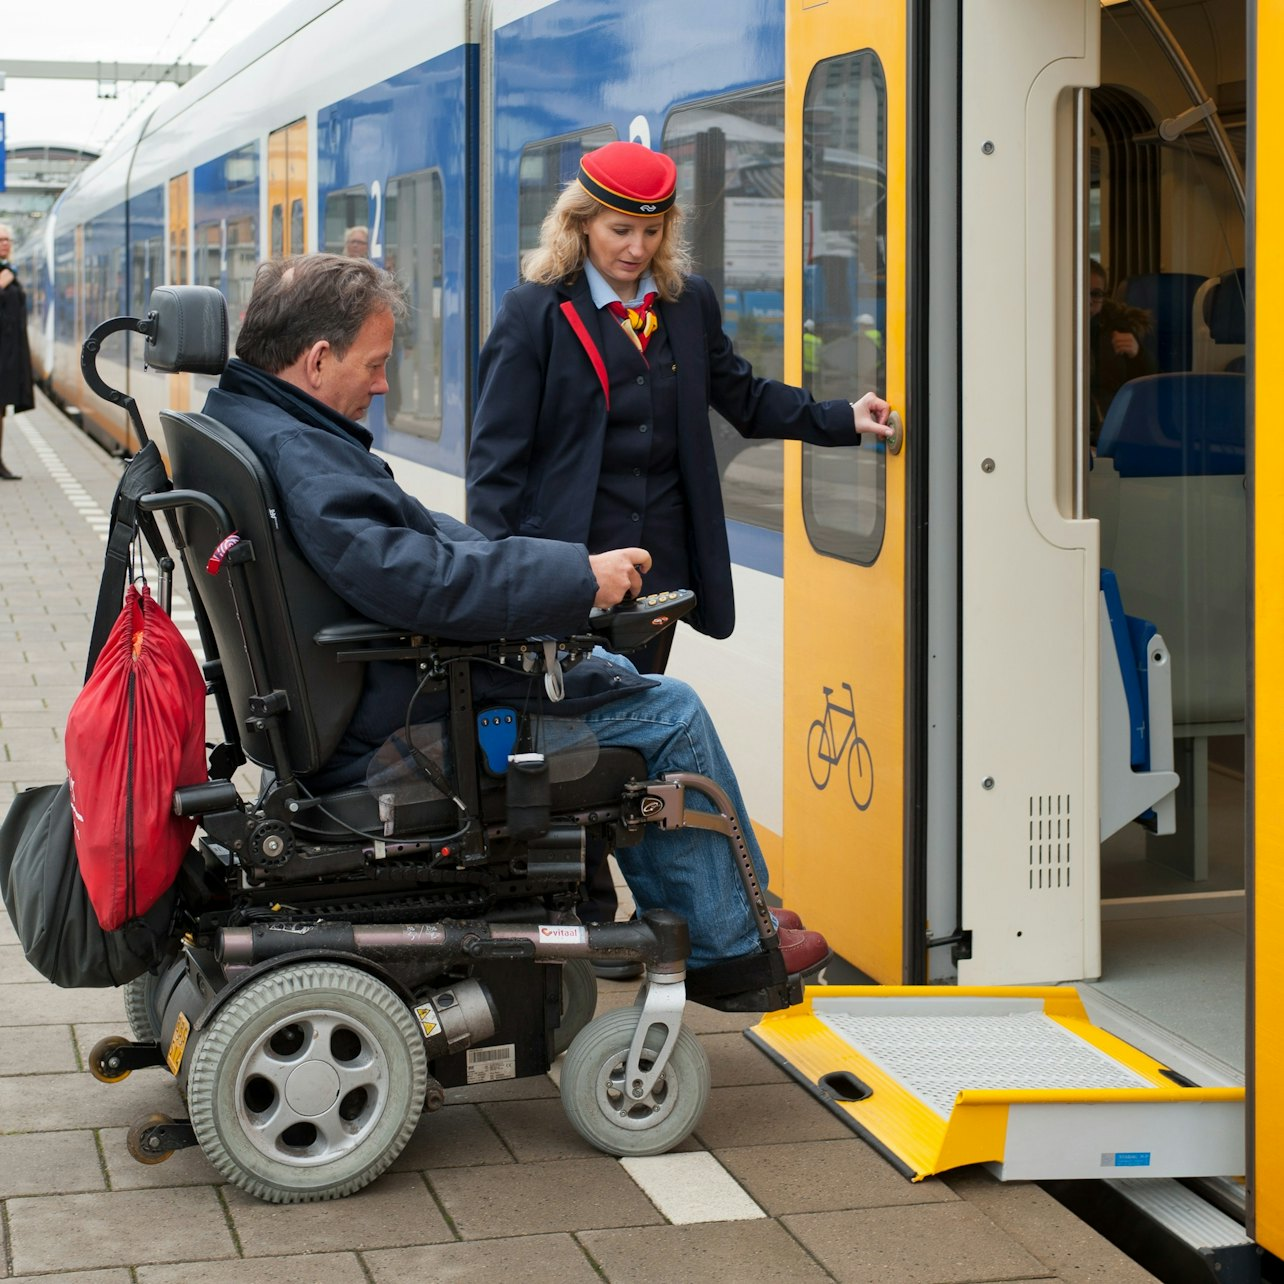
[(713, 1253), (1047, 1228), (120, 1275), (763, 1115), (951, 1243), (539, 1130), (301, 1268), (35, 1049), (735, 1062), (187, 1167), (31, 1103), (397, 1211), (532, 1259), (49, 1163), (526, 1199), (120, 1228), (36, 1002), (454, 1137), (824, 1176)]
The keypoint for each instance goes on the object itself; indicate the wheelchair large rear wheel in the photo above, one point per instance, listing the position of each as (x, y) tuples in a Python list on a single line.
[(593, 1088), (140, 1007), (579, 1002), (308, 1084)]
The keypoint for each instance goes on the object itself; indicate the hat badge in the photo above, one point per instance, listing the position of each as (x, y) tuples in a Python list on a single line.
[(647, 209)]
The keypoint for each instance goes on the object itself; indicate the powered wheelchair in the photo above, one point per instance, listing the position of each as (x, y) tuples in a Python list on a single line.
[(342, 958)]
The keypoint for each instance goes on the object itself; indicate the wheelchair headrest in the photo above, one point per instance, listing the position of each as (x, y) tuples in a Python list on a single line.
[(188, 330)]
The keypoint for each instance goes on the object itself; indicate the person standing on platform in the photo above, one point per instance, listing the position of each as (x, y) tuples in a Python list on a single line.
[(595, 384), (15, 356)]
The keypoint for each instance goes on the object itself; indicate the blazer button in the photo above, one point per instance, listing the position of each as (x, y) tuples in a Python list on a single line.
[(641, 378), (636, 518)]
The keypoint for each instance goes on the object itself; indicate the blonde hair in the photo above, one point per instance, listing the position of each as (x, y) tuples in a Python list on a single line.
[(563, 244)]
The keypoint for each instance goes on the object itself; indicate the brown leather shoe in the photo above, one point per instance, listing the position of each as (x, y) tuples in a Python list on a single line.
[(785, 918), (802, 951)]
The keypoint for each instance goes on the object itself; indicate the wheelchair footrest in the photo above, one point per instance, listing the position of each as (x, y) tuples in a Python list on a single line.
[(755, 983)]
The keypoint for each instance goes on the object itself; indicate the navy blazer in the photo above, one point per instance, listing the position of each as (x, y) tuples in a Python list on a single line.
[(540, 424)]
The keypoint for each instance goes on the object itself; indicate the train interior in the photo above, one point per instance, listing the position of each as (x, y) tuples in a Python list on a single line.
[(1167, 484)]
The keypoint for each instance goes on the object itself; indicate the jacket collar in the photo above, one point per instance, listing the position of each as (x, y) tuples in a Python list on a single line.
[(249, 381)]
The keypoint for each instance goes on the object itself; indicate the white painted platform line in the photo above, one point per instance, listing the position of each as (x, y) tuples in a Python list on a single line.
[(691, 1187), (100, 521)]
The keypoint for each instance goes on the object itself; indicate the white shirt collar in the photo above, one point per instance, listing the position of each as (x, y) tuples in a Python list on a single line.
[(604, 293)]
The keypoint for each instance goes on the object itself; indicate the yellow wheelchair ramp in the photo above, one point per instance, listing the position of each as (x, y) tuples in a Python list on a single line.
[(1020, 1078)]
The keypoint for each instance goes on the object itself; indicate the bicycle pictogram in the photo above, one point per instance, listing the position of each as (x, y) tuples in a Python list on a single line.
[(825, 750)]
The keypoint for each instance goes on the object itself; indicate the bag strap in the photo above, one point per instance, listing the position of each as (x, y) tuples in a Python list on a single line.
[(144, 475)]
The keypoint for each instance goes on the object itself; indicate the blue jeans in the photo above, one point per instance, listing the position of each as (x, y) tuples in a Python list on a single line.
[(689, 871)]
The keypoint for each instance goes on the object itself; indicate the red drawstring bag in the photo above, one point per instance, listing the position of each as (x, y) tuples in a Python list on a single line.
[(135, 733)]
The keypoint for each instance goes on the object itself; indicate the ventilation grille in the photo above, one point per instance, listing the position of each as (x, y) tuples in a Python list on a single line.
[(1050, 842)]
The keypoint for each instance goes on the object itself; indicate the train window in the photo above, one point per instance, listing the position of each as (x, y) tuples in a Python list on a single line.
[(297, 245), (730, 154), (545, 168), (844, 293), (278, 232), (413, 249), (146, 271), (344, 210)]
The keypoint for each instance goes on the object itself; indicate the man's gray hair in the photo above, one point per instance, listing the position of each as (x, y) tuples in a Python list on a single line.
[(299, 301)]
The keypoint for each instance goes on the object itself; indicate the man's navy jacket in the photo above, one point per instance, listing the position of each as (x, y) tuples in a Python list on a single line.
[(397, 563)]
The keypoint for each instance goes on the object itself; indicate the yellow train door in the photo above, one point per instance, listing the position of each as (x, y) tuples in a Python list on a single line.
[(178, 221), (845, 634), (1266, 618), (288, 190)]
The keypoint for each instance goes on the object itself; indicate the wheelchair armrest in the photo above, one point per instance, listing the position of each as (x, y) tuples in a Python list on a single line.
[(346, 632)]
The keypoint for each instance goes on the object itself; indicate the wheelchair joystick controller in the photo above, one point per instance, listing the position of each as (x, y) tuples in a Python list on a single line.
[(634, 623)]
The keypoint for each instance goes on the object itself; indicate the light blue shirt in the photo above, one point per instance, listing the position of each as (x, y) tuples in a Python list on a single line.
[(603, 293)]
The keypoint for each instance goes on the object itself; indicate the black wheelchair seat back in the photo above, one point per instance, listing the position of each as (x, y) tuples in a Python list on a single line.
[(287, 600)]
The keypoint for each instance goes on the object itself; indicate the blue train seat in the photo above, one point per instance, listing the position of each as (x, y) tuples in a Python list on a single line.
[(1137, 777), (1220, 323), (1168, 297), (1176, 425)]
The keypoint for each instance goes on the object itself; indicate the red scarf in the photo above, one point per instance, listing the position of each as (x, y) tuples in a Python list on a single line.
[(638, 323)]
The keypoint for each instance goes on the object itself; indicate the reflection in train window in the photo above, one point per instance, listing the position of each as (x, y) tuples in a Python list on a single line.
[(413, 247), (347, 208), (730, 154), (545, 168), (146, 271), (844, 293), (226, 255)]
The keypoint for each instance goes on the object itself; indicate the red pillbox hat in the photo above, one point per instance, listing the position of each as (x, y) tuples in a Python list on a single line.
[(629, 178)]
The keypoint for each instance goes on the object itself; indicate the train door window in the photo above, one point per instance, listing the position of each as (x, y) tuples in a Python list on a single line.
[(146, 260), (412, 238), (730, 155), (178, 218), (242, 260), (545, 168), (287, 186), (345, 211), (844, 293)]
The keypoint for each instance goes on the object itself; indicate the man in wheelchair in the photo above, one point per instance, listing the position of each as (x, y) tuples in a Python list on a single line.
[(311, 356), (441, 735)]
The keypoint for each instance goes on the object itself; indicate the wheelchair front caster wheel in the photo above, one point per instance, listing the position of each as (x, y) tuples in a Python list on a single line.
[(594, 1097), (101, 1065), (140, 1146), (307, 1084)]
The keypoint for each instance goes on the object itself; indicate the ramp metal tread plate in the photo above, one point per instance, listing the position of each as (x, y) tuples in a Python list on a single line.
[(1016, 1077)]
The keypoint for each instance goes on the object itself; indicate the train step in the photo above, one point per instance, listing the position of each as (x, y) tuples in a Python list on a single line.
[(1017, 1078)]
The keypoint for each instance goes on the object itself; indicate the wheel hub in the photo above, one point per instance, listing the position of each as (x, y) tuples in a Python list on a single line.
[(312, 1089)]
